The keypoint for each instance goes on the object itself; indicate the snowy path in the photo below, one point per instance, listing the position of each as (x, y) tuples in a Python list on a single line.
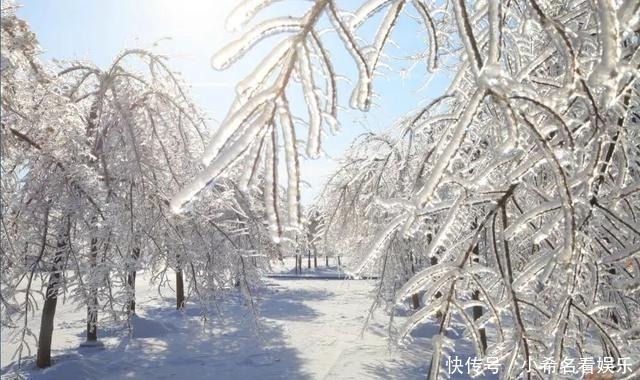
[(309, 329), (325, 328)]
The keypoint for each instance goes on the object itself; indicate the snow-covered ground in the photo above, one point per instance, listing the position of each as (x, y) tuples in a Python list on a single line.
[(307, 329)]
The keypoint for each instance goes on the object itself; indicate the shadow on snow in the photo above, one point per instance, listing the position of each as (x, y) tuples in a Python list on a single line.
[(167, 344)]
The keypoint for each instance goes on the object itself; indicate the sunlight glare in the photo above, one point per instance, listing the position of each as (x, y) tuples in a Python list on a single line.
[(194, 17)]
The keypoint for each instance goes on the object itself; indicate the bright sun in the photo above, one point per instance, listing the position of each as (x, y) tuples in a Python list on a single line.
[(194, 16)]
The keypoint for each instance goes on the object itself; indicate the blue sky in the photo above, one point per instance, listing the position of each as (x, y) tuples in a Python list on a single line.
[(97, 30)]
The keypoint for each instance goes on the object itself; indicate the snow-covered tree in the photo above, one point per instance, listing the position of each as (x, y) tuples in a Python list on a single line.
[(143, 132), (90, 158), (43, 190)]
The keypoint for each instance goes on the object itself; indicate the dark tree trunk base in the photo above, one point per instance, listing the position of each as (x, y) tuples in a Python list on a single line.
[(46, 331), (92, 308), (179, 291), (92, 320), (131, 281), (477, 314), (92, 344), (415, 301), (43, 358)]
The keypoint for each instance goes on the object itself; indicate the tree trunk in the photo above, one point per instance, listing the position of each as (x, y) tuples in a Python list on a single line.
[(434, 261), (614, 318), (309, 260), (92, 306), (315, 259), (415, 300), (179, 290), (46, 326), (477, 310), (92, 318), (43, 359), (179, 284), (131, 281), (326, 261), (477, 314)]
